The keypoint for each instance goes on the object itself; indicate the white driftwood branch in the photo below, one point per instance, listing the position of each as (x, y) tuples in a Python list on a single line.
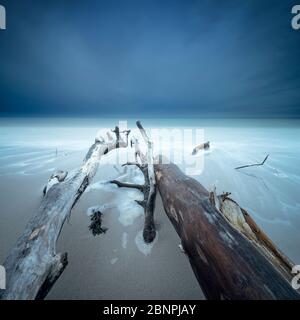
[(57, 177), (33, 265)]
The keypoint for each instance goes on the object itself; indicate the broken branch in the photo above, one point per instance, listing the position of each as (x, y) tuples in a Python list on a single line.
[(127, 185), (254, 165)]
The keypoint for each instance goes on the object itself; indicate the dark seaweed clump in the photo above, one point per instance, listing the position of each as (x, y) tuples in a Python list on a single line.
[(96, 224)]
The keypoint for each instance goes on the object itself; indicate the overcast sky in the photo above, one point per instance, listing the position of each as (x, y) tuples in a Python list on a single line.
[(150, 58)]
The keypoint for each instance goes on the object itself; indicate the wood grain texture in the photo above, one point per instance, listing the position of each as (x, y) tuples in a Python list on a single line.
[(226, 264)]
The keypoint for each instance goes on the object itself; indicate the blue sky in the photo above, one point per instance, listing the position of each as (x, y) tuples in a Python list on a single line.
[(150, 59)]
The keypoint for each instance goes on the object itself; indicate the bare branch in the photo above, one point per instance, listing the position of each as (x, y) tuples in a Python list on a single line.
[(253, 165), (141, 203), (149, 188), (149, 232), (119, 141), (137, 151), (128, 185), (140, 166)]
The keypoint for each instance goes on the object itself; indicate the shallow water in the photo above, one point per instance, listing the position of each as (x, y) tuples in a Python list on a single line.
[(117, 264)]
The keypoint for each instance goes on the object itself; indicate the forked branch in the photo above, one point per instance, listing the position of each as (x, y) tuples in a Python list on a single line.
[(149, 188)]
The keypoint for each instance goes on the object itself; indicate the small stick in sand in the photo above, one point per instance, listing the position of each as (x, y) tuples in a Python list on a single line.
[(253, 165)]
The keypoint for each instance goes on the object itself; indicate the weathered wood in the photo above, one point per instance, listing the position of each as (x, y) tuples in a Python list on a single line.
[(202, 146), (128, 185), (149, 187), (241, 220), (227, 264), (57, 177), (149, 231), (33, 265)]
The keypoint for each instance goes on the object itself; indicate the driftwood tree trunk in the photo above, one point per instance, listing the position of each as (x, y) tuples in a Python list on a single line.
[(33, 265), (230, 256), (149, 187)]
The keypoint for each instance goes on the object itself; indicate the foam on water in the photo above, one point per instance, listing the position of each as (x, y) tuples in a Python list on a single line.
[(124, 240), (113, 260), (102, 208), (144, 248), (124, 199)]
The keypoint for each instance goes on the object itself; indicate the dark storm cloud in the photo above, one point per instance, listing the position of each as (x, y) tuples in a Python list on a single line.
[(150, 58)]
